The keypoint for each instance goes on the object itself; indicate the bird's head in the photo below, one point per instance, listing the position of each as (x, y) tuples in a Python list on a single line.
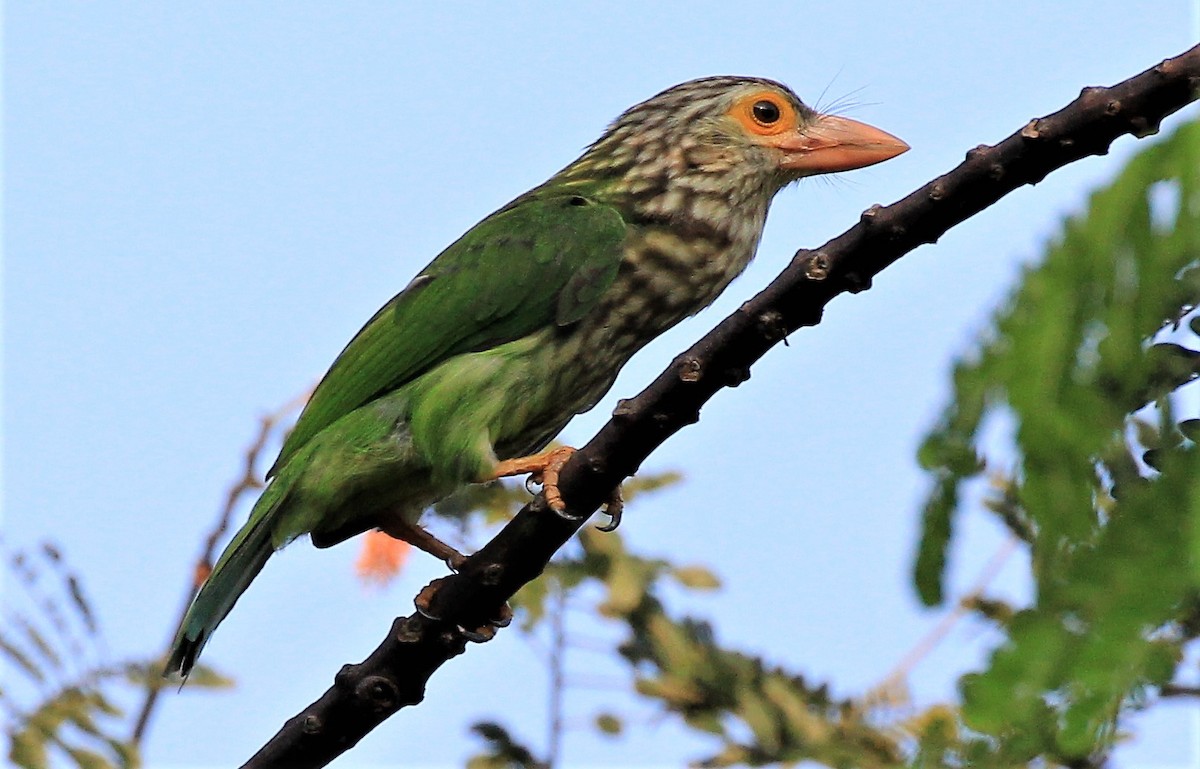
[(737, 135)]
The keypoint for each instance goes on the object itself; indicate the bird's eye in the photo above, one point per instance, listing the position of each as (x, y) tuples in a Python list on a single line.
[(766, 112)]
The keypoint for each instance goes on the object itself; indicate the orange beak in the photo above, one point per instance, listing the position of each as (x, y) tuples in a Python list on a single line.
[(833, 143)]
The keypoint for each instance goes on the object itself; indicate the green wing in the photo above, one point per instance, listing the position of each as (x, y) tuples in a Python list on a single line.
[(539, 261)]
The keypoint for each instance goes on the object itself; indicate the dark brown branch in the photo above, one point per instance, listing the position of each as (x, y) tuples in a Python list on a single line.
[(395, 674)]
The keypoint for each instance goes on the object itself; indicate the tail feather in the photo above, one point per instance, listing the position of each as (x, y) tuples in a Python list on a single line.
[(238, 565)]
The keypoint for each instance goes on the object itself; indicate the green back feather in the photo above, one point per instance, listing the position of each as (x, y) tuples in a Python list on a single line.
[(544, 259)]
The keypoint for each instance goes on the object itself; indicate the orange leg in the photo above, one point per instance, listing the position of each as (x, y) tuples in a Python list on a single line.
[(421, 539), (544, 469)]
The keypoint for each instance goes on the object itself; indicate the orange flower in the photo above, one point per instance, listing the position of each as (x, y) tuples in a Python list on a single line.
[(381, 558)]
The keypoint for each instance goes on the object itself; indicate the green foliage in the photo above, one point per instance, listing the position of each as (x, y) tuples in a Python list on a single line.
[(502, 752), (59, 696), (759, 713), (1087, 359)]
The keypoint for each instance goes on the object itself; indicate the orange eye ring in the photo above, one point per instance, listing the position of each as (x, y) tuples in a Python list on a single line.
[(764, 113)]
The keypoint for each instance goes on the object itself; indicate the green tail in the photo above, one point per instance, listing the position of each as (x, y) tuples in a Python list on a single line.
[(241, 562)]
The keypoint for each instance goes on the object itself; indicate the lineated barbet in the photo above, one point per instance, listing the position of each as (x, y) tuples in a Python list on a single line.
[(525, 320)]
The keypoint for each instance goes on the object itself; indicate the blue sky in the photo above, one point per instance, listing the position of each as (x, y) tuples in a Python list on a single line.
[(203, 202)]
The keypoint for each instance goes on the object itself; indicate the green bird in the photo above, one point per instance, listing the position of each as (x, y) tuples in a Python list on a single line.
[(525, 321)]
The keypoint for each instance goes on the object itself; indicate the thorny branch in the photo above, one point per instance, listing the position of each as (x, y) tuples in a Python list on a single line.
[(395, 674), (558, 644), (249, 481)]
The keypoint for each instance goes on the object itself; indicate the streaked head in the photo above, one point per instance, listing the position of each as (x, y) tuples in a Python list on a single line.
[(747, 132)]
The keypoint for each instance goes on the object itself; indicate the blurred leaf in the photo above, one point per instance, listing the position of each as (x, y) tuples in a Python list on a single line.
[(150, 674), (1080, 360), (609, 724), (501, 750), (1000, 612), (35, 638), (89, 759), (22, 660), (27, 749), (77, 722), (696, 577), (82, 709)]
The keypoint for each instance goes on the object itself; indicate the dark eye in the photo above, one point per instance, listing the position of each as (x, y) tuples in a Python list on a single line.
[(765, 112)]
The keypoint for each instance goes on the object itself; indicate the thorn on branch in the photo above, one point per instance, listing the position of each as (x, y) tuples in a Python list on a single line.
[(1141, 127), (856, 282), (690, 370), (491, 574), (735, 376), (623, 411), (816, 266), (868, 217), (597, 465), (410, 630), (771, 326), (344, 678), (454, 643), (378, 693)]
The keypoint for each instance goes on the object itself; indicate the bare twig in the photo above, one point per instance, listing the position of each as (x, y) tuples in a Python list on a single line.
[(558, 635), (937, 634), (248, 481), (395, 674), (1179, 690)]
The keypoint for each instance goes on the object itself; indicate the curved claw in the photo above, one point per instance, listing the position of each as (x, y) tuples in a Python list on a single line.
[(614, 520), (478, 635), (613, 509), (565, 514), (487, 632), (427, 615), (504, 619), (424, 599), (544, 469)]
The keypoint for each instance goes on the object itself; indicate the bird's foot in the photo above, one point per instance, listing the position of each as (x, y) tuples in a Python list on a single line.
[(544, 468), (482, 633), (487, 631), (398, 528), (613, 508)]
